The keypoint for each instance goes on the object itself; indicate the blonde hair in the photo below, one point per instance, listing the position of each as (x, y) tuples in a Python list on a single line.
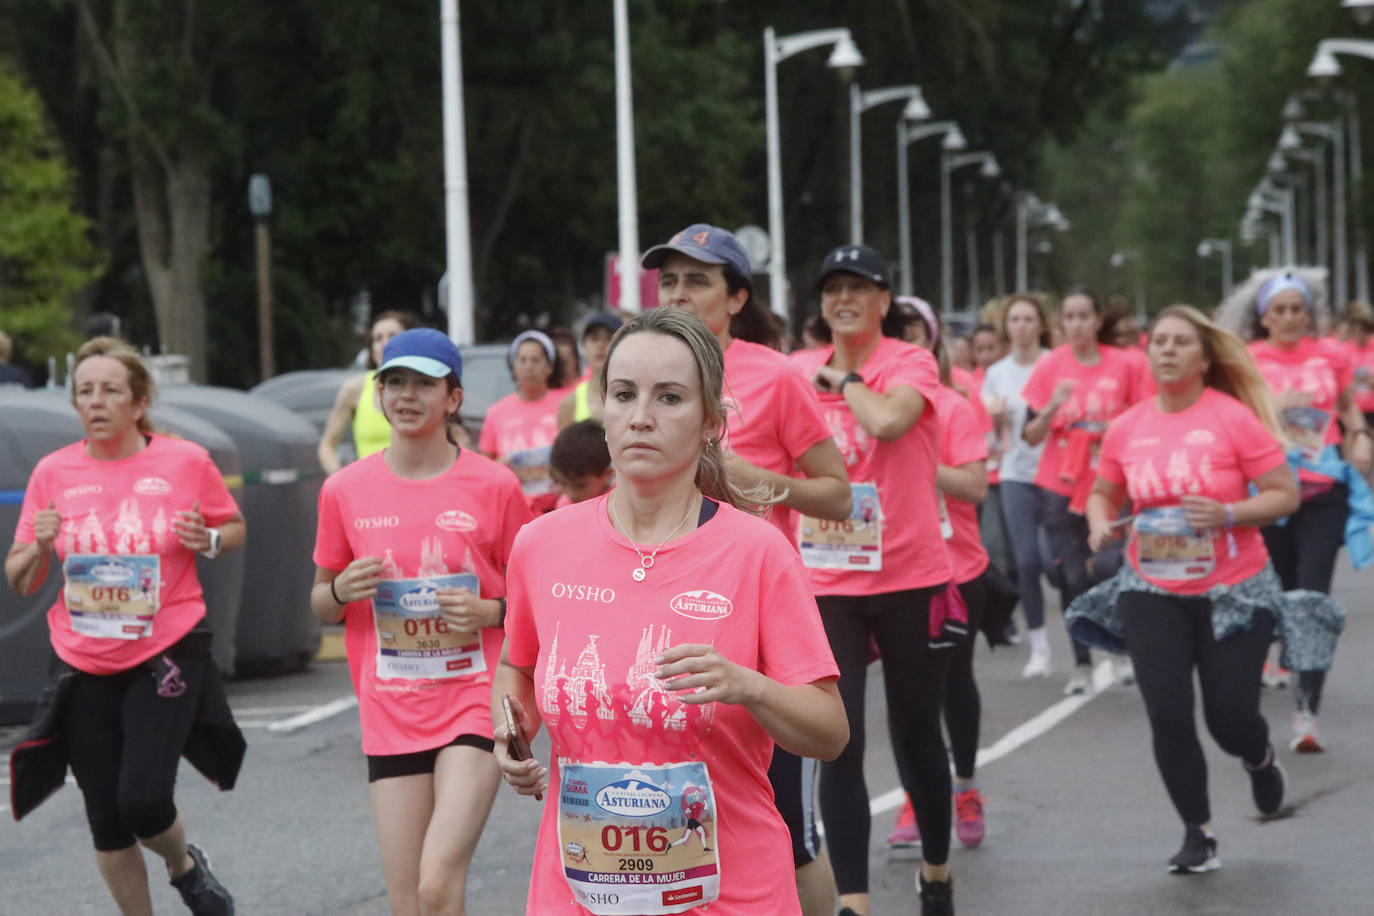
[(1231, 369), (140, 380), (711, 478)]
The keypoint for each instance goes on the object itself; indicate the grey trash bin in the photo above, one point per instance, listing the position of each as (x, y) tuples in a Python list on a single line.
[(311, 393), (281, 484), (32, 424)]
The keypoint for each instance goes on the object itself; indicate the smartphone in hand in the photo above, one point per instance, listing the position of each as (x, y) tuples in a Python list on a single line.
[(517, 743)]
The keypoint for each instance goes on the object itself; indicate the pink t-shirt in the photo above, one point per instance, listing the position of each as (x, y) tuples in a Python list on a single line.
[(972, 383), (961, 441), (523, 432), (463, 521), (1214, 448), (590, 633), (125, 509), (902, 470), (1102, 393), (1362, 372), (1319, 368), (774, 416)]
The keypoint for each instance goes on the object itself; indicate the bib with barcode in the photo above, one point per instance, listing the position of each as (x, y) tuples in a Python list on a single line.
[(413, 638), (1306, 426), (112, 596), (638, 839), (1170, 548), (854, 544)]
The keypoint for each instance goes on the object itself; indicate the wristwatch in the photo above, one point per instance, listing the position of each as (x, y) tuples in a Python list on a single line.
[(215, 542), (851, 377)]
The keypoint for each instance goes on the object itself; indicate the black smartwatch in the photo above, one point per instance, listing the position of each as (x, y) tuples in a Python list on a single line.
[(851, 377)]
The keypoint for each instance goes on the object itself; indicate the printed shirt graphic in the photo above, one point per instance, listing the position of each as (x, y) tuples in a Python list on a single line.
[(591, 632), (1102, 393), (778, 417), (961, 441), (1214, 448), (1361, 371), (1318, 368), (523, 432), (903, 470), (127, 507), (463, 521)]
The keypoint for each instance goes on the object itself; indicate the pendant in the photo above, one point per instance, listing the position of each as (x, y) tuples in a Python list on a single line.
[(638, 575)]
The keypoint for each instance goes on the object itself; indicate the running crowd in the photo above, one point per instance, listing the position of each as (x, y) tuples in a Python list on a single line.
[(682, 560)]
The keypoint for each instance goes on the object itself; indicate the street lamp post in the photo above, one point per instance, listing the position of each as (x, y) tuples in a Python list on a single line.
[(775, 50), (1271, 198), (1334, 133), (949, 163), (260, 205), (859, 102), (1325, 65), (907, 135), (1030, 211), (626, 187), (457, 240), (1205, 249)]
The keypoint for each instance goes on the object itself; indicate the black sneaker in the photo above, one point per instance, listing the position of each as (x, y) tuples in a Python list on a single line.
[(937, 897), (1267, 783), (1198, 855), (200, 890)]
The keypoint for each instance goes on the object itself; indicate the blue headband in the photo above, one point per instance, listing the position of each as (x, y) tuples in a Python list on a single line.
[(1275, 285)]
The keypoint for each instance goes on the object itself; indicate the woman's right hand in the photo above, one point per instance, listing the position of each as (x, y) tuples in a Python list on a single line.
[(529, 776), (47, 525), (359, 580), (1062, 392), (1102, 533)]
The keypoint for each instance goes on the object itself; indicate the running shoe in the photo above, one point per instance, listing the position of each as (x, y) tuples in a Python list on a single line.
[(1267, 783), (1038, 666), (1124, 670), (1305, 739), (1198, 855), (937, 897), (200, 890), (905, 834), (969, 825), (1080, 682), (1274, 676)]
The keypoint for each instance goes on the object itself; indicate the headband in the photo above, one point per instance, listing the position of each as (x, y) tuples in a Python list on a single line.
[(927, 314), (1275, 285), (538, 337)]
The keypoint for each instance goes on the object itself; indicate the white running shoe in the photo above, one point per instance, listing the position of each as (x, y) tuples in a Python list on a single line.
[(1305, 740), (1124, 669), (1038, 666), (1080, 682)]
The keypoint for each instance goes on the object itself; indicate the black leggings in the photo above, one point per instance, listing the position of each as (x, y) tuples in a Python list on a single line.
[(963, 706), (1303, 551), (1169, 636), (913, 679), (124, 734)]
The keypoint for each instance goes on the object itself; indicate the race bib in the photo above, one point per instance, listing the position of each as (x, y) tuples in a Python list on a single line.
[(1364, 380), (414, 640), (855, 543), (638, 839), (531, 466), (1306, 426), (1169, 548), (112, 596)]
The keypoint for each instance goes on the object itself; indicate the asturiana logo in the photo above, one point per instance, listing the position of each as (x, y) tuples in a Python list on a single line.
[(634, 796), (456, 520), (153, 486), (702, 605), (112, 571), (421, 598)]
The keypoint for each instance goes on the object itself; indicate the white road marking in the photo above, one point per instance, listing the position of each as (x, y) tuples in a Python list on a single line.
[(313, 715), (251, 711)]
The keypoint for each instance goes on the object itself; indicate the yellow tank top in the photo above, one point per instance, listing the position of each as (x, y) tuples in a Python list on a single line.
[(371, 432), (581, 409)]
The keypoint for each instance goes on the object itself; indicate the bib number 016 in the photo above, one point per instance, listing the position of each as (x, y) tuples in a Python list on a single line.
[(655, 839)]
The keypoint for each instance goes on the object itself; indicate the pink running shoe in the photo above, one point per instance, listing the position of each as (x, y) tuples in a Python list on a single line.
[(905, 834), (969, 825)]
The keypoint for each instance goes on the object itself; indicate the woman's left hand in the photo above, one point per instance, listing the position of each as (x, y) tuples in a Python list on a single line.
[(191, 529), (465, 611), (1204, 513), (697, 673)]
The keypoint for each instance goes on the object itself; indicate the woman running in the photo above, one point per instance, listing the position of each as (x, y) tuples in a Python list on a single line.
[(1024, 324), (874, 581), (667, 653), (127, 511), (1072, 394), (1198, 593), (357, 403), (411, 554), (775, 429), (1313, 386), (520, 428)]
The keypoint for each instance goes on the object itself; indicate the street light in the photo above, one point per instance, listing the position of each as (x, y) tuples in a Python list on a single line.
[(1269, 197), (844, 57), (1317, 159), (949, 163), (1031, 212), (1363, 10), (907, 135), (260, 205), (457, 238), (859, 101), (1334, 133), (1206, 248)]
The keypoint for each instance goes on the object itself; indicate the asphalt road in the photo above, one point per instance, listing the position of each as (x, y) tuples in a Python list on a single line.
[(1078, 822)]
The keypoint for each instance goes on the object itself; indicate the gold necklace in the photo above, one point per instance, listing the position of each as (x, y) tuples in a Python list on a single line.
[(647, 563)]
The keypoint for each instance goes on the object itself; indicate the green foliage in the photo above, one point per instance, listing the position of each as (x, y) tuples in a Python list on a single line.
[(45, 256)]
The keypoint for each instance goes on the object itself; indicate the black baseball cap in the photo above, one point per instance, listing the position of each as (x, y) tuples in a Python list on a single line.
[(855, 259)]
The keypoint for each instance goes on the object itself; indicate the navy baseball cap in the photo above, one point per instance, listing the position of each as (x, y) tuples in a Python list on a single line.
[(706, 243), (605, 320), (427, 351), (855, 259)]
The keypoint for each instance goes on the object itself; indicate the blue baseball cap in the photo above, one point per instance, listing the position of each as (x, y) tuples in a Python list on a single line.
[(706, 243), (427, 351)]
